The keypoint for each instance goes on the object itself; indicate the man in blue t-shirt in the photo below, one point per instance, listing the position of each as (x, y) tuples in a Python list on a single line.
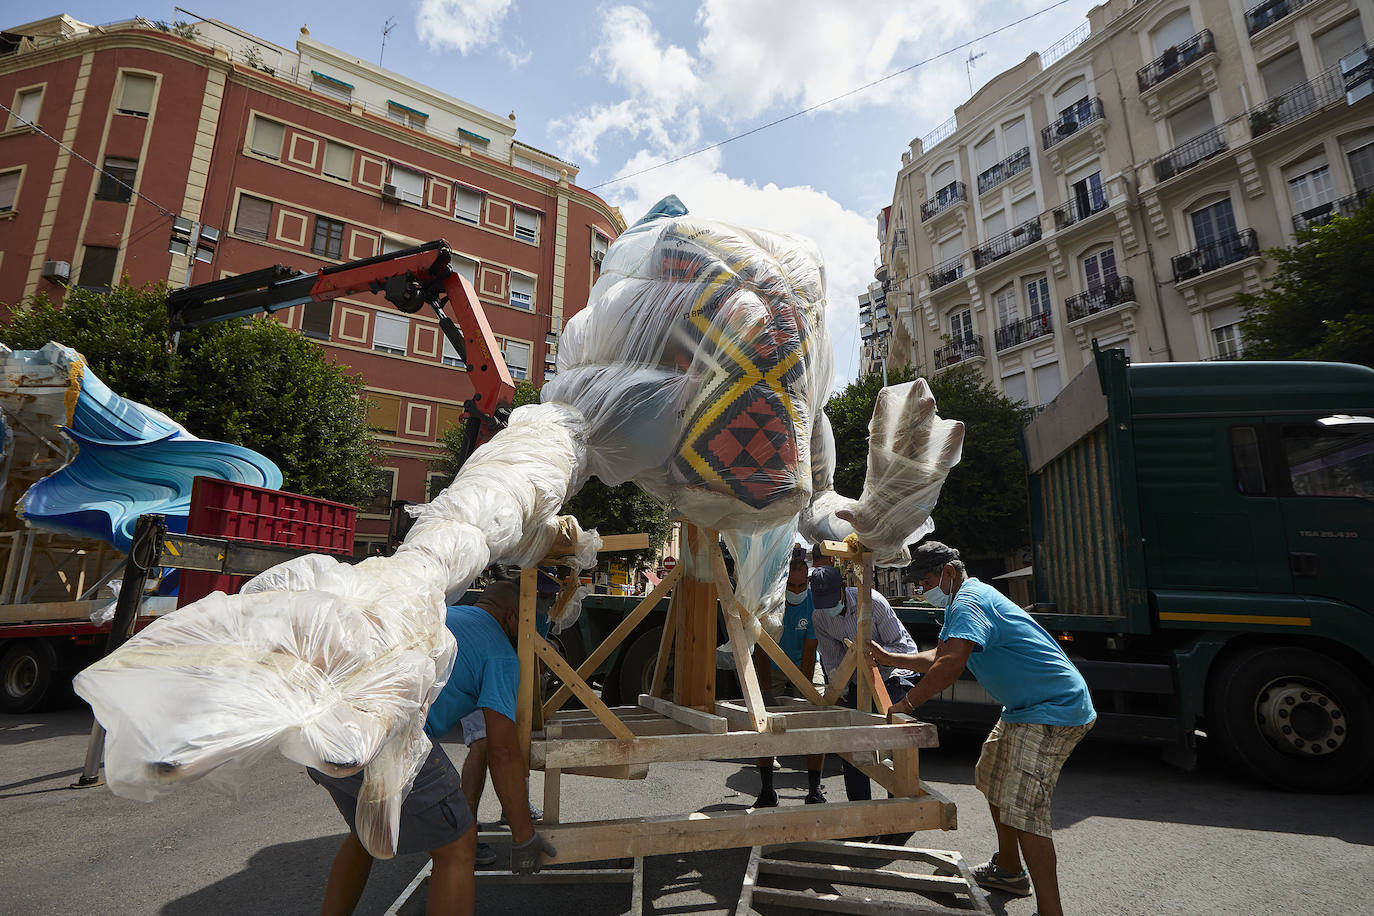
[(1046, 711), (435, 816)]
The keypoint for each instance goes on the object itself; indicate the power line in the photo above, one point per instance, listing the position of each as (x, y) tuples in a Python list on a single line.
[(833, 99)]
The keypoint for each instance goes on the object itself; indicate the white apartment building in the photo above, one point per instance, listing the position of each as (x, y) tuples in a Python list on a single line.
[(1122, 186)]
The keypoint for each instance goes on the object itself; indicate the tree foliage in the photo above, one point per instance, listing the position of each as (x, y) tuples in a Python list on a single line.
[(1319, 303), (623, 509), (252, 382), (982, 508)]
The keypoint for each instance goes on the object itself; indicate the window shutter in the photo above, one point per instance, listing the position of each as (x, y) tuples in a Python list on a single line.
[(384, 413), (446, 417), (318, 319), (254, 217), (409, 183), (450, 358), (526, 224), (338, 160), (467, 203), (28, 105), (137, 94), (97, 267), (521, 290), (389, 333), (517, 356), (267, 138), (9, 188), (465, 266)]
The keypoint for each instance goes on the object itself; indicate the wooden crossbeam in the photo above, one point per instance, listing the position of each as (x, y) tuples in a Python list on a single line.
[(733, 612), (840, 550), (665, 646), (703, 722), (786, 718), (526, 634), (839, 680), (617, 543), (774, 651), (584, 693), (694, 658)]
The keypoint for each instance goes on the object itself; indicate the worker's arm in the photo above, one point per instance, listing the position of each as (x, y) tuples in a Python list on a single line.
[(951, 657), (506, 767), (919, 662), (808, 664), (763, 667)]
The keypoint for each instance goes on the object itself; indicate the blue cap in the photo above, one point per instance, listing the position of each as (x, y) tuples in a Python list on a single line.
[(827, 588)]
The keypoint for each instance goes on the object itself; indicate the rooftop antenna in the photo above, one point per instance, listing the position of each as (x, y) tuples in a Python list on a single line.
[(968, 68), (386, 30)]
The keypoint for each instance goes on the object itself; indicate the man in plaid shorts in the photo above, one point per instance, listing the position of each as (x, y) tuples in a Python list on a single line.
[(1046, 711)]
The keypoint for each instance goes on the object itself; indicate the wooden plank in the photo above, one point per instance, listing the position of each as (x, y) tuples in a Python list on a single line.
[(565, 594), (906, 767), (863, 633), (863, 877), (937, 858), (614, 639), (951, 813), (553, 785), (665, 646), (614, 839), (732, 746), (839, 550), (786, 719), (526, 634), (624, 771), (788, 668), (613, 543), (751, 874), (640, 727), (812, 902), (700, 721), (874, 770), (839, 679), (733, 612), (584, 693), (694, 663)]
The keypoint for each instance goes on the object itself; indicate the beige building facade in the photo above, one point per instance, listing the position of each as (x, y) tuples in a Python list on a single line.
[(1122, 186)]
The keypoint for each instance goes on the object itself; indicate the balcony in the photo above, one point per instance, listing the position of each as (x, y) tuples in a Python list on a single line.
[(1193, 152), (946, 273), (1014, 164), (1263, 15), (1206, 258), (1320, 216), (970, 347), (1298, 102), (1080, 208), (1174, 59), (944, 198), (1019, 332), (1069, 123), (1117, 291), (1014, 239)]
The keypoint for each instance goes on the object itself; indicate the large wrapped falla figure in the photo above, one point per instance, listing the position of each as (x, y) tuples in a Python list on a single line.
[(698, 370)]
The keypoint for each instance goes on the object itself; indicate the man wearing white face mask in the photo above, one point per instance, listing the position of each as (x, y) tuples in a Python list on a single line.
[(1046, 711)]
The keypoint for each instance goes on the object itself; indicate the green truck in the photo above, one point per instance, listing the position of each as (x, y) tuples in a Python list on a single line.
[(1203, 542)]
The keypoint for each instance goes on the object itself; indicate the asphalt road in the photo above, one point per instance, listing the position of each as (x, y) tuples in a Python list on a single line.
[(1133, 834)]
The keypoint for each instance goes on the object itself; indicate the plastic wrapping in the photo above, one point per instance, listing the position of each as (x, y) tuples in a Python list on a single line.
[(332, 665), (761, 574)]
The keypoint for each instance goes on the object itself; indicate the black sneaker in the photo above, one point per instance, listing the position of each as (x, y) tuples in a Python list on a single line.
[(485, 855), (994, 877), (816, 796), (767, 799)]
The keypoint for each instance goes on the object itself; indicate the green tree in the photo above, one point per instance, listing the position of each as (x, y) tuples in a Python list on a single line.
[(982, 507), (1319, 303), (623, 509), (252, 382)]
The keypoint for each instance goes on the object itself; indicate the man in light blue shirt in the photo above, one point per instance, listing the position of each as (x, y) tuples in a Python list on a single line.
[(1046, 711)]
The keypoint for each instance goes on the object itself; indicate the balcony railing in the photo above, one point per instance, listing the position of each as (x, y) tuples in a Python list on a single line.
[(943, 199), (1017, 162), (946, 273), (1018, 332), (1243, 244), (970, 347), (1014, 239), (1193, 152), (1320, 216), (1262, 15), (1108, 295), (1069, 123), (1079, 208), (1325, 89), (1175, 59)]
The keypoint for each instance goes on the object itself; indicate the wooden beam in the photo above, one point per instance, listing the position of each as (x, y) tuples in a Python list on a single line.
[(614, 543), (694, 664), (625, 771), (641, 728), (733, 612), (751, 874), (813, 902), (839, 550), (703, 722), (789, 719), (839, 680), (526, 634), (863, 596), (614, 639), (584, 693), (906, 767), (866, 764), (732, 746), (665, 645), (788, 668), (864, 877), (616, 839), (552, 795)]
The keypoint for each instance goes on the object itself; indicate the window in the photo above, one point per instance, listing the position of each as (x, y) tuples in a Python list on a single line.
[(1214, 224), (318, 319), (986, 153), (1191, 121), (1023, 210), (1226, 339), (1088, 195), (1047, 382), (328, 85), (1247, 460), (941, 177), (98, 267), (1309, 184), (517, 356), (600, 244), (1014, 136), (266, 137), (117, 180), (404, 114), (451, 357), (390, 245), (950, 248), (1338, 41), (328, 242), (410, 184), (1014, 386), (338, 161), (389, 333), (1361, 160), (1172, 32), (9, 190), (379, 503), (1283, 73), (994, 225), (26, 105), (961, 325), (1099, 268), (1008, 312), (1330, 460), (435, 483), (467, 204), (136, 95), (1038, 296), (522, 291), (465, 266), (527, 224), (253, 218)]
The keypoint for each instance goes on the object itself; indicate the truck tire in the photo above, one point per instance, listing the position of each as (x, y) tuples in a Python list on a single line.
[(1294, 718), (637, 667), (26, 670)]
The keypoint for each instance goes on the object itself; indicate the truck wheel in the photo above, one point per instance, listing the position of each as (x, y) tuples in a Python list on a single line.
[(26, 669), (637, 666), (1293, 718)]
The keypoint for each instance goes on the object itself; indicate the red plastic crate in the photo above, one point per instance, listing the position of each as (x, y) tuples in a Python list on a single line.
[(220, 508)]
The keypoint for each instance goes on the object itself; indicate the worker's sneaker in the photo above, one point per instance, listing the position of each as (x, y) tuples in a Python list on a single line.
[(816, 796), (994, 877), (768, 798), (485, 855), (536, 815)]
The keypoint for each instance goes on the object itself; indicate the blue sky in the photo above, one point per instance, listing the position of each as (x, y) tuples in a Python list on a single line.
[(619, 86)]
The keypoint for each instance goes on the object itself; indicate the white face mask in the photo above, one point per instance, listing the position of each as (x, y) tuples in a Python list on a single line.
[(795, 598), (832, 611), (936, 595)]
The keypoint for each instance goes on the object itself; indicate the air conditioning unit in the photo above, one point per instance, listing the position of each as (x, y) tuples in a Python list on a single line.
[(57, 271), (598, 257), (1186, 266), (391, 192)]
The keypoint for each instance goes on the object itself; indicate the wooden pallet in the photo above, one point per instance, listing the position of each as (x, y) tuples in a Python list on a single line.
[(832, 877)]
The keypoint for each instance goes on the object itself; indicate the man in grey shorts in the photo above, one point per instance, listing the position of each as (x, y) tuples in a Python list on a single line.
[(435, 815)]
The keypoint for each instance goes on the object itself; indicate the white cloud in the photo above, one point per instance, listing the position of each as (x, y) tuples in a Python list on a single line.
[(463, 25)]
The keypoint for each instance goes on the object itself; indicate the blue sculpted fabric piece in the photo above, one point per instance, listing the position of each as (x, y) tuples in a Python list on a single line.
[(131, 460)]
